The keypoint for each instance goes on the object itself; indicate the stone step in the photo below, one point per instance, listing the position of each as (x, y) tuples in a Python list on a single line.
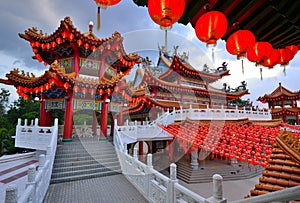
[(85, 162), (84, 176), (86, 157), (84, 172), (83, 153), (85, 167)]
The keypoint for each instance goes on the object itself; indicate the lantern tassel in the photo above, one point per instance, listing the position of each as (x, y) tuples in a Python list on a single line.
[(284, 72), (98, 19), (261, 77), (242, 66)]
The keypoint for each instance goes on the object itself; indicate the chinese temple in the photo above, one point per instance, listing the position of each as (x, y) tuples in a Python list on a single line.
[(84, 72), (175, 83), (283, 104)]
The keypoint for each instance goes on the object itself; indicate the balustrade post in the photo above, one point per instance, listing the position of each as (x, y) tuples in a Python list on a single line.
[(217, 190), (31, 123), (31, 181), (19, 121), (194, 159), (171, 197), (127, 122), (36, 122), (149, 161), (25, 122), (11, 193), (135, 153), (56, 122)]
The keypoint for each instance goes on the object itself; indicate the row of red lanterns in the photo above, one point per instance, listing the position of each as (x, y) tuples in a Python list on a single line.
[(212, 25)]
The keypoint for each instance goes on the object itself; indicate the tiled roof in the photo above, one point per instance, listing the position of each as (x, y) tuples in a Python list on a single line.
[(283, 170), (280, 91)]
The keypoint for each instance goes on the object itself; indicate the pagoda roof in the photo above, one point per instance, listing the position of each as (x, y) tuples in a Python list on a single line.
[(283, 169), (56, 76), (150, 80), (185, 69), (67, 39), (279, 93)]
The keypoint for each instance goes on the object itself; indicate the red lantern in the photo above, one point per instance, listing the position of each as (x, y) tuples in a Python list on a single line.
[(71, 36), (67, 86), (58, 40), (32, 44), (79, 42), (86, 45), (273, 59), (93, 48), (210, 27), (53, 44), (239, 42), (103, 4), (37, 44), (285, 56), (259, 52), (165, 12), (293, 48)]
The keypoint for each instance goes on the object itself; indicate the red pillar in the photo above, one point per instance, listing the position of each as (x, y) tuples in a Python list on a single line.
[(141, 149), (45, 117), (112, 125), (171, 151), (95, 122), (104, 115), (68, 123), (76, 61), (284, 118)]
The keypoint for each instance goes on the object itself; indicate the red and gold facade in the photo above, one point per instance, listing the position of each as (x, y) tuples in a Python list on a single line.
[(84, 72), (178, 86), (283, 104)]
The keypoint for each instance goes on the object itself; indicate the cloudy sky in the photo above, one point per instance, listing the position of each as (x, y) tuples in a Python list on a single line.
[(139, 32)]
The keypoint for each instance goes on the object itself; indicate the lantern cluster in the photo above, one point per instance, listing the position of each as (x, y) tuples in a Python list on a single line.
[(24, 91), (243, 142)]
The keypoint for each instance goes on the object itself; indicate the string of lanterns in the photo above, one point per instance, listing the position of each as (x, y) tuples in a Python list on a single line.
[(212, 26)]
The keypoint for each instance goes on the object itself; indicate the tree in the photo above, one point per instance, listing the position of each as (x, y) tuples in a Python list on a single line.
[(4, 96), (6, 142)]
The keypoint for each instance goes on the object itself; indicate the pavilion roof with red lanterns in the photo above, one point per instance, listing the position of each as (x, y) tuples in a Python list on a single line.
[(58, 49), (280, 93), (67, 39)]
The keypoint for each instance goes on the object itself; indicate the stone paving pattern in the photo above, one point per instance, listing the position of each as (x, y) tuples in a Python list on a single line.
[(110, 189)]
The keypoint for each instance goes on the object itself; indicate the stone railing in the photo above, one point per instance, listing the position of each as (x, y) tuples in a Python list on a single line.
[(38, 180), (222, 114), (155, 186), (33, 136), (158, 188)]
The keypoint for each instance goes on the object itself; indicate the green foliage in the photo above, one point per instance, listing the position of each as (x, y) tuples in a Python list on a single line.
[(6, 142), (4, 96)]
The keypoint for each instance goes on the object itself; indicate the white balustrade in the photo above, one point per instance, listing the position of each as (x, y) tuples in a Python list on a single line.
[(38, 181)]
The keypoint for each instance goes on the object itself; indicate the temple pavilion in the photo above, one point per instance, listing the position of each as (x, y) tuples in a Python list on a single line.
[(175, 83), (84, 72), (283, 104)]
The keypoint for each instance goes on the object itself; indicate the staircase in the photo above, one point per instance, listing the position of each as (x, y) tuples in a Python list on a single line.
[(84, 158), (206, 171)]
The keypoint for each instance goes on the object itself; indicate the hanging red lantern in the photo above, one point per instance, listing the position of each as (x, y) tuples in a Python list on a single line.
[(76, 88), (58, 40), (79, 42), (259, 52), (285, 56), (293, 48), (67, 86), (273, 59), (239, 42), (53, 44), (165, 12), (65, 34), (93, 48), (71, 36), (37, 44), (48, 45), (86, 45), (210, 27), (32, 44), (103, 4)]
